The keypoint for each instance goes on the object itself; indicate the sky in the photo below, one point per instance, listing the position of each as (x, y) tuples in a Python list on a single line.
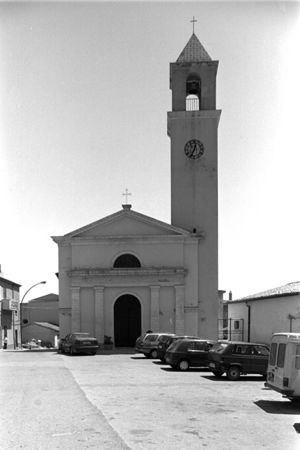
[(84, 95)]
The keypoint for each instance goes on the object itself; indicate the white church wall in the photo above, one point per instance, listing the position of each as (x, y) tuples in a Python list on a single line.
[(87, 310), (167, 309)]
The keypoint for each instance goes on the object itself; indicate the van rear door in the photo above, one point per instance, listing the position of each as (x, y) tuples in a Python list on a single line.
[(276, 361)]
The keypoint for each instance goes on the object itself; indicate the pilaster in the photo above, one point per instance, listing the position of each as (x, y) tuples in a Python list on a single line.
[(179, 318), (99, 313), (154, 308), (75, 295)]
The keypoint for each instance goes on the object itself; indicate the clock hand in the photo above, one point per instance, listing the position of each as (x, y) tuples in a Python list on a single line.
[(194, 150)]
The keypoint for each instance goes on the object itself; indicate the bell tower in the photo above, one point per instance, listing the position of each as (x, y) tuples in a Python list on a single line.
[(193, 131)]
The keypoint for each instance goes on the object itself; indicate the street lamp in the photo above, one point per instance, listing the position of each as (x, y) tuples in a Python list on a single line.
[(36, 284)]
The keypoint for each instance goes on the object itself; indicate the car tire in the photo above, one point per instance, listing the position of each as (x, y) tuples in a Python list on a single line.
[(217, 373), (183, 365), (233, 373), (154, 354)]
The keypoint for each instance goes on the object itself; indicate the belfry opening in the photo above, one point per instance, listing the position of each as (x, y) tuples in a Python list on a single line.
[(127, 320)]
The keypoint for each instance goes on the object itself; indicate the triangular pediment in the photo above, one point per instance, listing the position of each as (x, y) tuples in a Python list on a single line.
[(126, 223)]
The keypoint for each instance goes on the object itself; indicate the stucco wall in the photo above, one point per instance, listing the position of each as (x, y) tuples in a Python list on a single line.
[(268, 316)]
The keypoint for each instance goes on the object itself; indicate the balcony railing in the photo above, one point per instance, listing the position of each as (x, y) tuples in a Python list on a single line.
[(192, 104)]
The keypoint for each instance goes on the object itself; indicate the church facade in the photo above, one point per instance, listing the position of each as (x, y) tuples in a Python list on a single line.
[(128, 272)]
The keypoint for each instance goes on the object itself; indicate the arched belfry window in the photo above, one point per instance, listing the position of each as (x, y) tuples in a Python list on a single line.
[(127, 260), (193, 93)]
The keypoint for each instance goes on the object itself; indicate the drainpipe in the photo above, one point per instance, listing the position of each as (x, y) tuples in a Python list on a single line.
[(249, 320)]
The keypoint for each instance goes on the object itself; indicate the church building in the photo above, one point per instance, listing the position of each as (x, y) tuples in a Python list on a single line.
[(128, 272)]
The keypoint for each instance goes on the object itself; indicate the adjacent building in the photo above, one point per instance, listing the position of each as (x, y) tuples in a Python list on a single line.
[(40, 320), (256, 317), (129, 272), (9, 313)]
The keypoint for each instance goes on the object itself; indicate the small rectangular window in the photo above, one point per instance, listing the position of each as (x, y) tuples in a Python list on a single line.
[(281, 355), (273, 354), (236, 324)]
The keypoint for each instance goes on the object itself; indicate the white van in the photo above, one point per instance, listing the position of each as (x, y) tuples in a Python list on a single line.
[(283, 374)]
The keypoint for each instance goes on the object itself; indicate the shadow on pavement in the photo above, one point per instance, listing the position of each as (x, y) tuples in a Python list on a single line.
[(140, 357), (243, 379), (279, 407), (190, 370)]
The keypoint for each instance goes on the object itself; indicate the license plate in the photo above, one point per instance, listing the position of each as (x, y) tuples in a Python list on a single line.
[(86, 343), (212, 365)]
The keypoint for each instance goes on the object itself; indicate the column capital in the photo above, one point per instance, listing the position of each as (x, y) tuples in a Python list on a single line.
[(98, 288)]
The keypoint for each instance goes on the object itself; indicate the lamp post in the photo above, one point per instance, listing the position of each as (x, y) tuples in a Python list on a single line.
[(36, 284)]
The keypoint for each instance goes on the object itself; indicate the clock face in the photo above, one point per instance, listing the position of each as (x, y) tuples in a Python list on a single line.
[(194, 149)]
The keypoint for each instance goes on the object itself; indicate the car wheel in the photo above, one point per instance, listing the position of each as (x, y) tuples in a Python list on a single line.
[(217, 373), (154, 354), (183, 365), (233, 373)]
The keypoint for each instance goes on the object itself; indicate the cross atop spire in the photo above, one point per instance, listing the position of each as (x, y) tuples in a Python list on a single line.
[(126, 194), (193, 21)]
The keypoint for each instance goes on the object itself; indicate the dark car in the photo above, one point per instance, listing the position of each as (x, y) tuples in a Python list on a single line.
[(186, 353), (149, 345), (78, 343), (236, 358), (166, 342)]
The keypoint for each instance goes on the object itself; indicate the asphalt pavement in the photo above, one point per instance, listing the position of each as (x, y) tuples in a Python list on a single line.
[(118, 401)]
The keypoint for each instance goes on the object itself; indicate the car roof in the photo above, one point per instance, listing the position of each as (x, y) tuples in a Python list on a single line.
[(197, 339), (224, 341)]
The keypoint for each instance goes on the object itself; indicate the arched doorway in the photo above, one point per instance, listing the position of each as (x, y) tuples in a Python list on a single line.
[(127, 320)]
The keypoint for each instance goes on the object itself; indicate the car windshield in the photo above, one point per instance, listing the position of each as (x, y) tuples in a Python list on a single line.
[(219, 347), (151, 337)]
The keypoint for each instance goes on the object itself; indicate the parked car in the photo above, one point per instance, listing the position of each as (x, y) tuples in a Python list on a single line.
[(140, 339), (149, 345), (31, 344), (166, 342), (78, 343), (186, 353), (236, 358)]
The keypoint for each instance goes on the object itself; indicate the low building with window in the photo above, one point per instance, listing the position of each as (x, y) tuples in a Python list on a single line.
[(9, 313), (40, 320), (256, 317)]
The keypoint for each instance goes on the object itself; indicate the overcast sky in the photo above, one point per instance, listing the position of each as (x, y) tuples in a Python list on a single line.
[(84, 95)]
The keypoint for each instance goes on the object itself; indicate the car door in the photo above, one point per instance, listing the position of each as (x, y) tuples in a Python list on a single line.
[(197, 353), (260, 359)]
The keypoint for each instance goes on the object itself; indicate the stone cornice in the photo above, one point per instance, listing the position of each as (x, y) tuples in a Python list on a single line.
[(107, 240), (130, 272)]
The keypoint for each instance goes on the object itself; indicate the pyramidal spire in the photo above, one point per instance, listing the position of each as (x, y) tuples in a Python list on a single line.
[(193, 51)]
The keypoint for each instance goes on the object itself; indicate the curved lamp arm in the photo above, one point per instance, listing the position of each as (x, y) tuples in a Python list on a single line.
[(36, 284)]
